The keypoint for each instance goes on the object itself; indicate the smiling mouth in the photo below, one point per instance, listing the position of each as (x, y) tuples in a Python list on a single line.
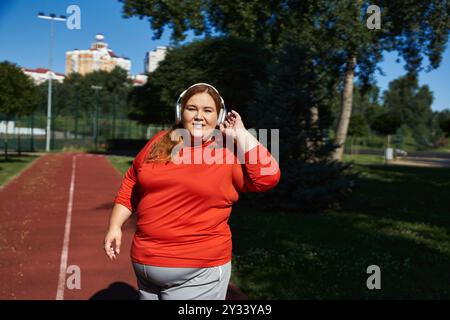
[(198, 125)]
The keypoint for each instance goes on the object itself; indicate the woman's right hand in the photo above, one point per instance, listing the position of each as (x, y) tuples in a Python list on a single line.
[(112, 242)]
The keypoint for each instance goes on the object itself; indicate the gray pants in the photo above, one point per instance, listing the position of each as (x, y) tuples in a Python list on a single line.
[(163, 283)]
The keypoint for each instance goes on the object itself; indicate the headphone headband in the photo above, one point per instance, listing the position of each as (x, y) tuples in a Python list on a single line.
[(222, 112)]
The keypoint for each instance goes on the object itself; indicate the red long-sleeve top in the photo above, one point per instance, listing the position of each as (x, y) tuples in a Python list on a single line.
[(183, 209)]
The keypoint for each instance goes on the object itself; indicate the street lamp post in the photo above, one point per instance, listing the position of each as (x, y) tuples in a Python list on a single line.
[(52, 17)]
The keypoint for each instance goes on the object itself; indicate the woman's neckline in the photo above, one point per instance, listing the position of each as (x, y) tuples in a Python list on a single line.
[(203, 144)]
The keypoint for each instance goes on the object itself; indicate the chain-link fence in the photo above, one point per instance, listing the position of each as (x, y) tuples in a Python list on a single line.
[(70, 132)]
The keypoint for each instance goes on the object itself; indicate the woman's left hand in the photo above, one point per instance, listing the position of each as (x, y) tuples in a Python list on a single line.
[(232, 124)]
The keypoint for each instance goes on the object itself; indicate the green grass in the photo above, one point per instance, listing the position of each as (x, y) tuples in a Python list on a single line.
[(378, 143), (440, 149), (13, 166), (364, 159), (121, 163), (398, 218)]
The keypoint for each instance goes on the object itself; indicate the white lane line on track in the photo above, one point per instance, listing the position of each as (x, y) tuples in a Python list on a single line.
[(65, 248)]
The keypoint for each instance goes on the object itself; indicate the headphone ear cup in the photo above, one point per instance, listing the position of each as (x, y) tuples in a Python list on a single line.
[(178, 106), (177, 113), (221, 118)]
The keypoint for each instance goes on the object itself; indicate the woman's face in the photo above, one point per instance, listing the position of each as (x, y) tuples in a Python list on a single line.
[(200, 115)]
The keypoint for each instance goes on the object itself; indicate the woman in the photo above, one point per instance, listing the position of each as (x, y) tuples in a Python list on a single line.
[(182, 246)]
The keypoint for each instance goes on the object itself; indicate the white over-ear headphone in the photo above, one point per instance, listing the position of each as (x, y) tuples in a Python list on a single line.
[(223, 110)]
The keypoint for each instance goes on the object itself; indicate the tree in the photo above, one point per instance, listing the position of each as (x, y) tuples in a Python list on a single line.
[(294, 91), (436, 133), (231, 65), (75, 96), (387, 124), (116, 87), (358, 128), (413, 29), (412, 103), (74, 88), (18, 94), (444, 121), (366, 102), (254, 20), (365, 109)]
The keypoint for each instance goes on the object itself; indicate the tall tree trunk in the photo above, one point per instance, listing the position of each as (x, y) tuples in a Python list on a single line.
[(346, 109)]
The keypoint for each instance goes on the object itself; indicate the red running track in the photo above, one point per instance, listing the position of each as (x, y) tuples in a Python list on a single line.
[(33, 227), (33, 212)]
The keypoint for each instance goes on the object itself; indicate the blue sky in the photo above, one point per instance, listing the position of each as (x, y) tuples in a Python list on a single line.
[(25, 40)]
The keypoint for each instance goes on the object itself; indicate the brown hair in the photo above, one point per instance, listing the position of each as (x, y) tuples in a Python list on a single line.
[(161, 149)]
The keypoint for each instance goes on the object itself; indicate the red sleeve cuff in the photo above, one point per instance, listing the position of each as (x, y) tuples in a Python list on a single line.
[(258, 155), (124, 203)]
